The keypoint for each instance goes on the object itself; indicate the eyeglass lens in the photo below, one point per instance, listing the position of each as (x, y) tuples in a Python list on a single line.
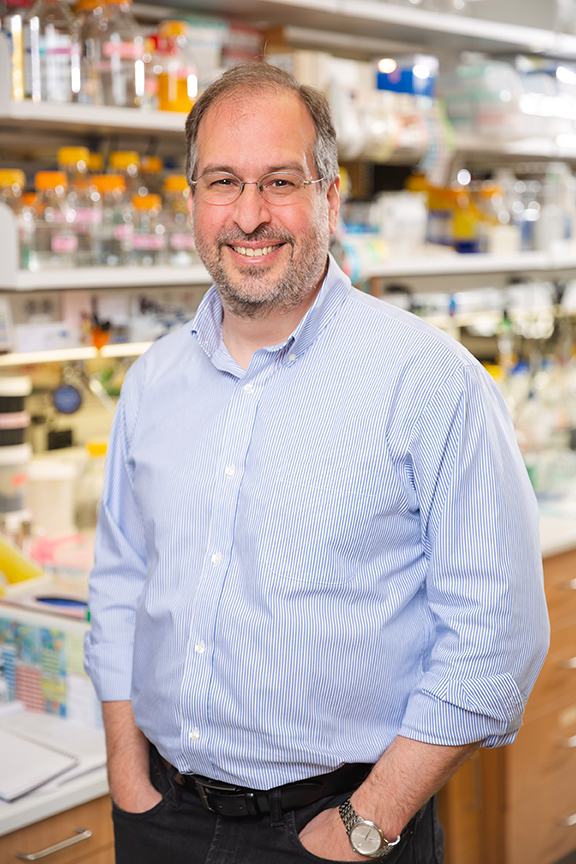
[(277, 188)]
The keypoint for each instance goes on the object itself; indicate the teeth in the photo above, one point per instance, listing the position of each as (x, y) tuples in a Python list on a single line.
[(254, 253)]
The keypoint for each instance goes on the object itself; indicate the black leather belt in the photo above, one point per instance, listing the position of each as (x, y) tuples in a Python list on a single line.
[(237, 801)]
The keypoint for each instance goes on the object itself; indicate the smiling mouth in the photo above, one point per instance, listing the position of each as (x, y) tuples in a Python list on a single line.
[(249, 252)]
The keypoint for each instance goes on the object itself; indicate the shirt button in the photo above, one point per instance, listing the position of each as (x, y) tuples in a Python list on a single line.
[(292, 357), (248, 388), (194, 735), (216, 558), (230, 470), (200, 648)]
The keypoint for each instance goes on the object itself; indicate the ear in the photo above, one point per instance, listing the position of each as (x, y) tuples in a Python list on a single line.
[(333, 196), (190, 204)]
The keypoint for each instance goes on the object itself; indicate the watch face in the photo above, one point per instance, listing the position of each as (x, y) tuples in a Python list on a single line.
[(365, 838)]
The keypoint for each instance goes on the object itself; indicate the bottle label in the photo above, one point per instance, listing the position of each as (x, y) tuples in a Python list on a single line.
[(180, 240), (87, 216), (123, 232), (124, 50), (149, 241), (64, 243)]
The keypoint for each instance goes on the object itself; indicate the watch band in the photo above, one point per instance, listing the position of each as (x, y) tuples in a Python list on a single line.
[(350, 819)]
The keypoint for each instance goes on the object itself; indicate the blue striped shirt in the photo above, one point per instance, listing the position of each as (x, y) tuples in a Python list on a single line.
[(297, 562)]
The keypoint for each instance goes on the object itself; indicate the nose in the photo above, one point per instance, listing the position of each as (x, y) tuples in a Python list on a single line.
[(250, 209)]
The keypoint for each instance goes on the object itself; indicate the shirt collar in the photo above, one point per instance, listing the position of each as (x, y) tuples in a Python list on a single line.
[(207, 323)]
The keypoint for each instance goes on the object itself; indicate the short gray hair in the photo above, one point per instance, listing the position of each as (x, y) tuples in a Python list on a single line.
[(260, 76)]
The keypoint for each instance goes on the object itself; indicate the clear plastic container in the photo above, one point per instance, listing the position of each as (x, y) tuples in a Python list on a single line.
[(56, 242), (12, 183), (113, 51), (149, 241), (127, 164), (13, 17), (74, 162), (175, 67), (151, 168), (52, 66), (14, 462), (181, 246), (89, 485), (116, 222)]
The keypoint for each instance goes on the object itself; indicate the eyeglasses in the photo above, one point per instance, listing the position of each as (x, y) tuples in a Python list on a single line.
[(219, 187)]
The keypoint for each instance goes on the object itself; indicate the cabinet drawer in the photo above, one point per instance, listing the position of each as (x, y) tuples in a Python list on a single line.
[(560, 585), (557, 680), (95, 816), (543, 754), (539, 831)]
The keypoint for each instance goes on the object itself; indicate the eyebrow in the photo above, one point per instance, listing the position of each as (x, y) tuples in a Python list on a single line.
[(226, 169)]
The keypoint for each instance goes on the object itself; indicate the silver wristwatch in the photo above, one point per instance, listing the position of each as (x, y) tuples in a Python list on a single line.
[(365, 837)]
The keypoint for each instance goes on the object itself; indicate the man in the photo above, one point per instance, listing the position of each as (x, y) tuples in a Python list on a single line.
[(318, 585)]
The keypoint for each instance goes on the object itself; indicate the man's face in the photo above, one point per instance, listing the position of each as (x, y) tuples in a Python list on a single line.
[(250, 135)]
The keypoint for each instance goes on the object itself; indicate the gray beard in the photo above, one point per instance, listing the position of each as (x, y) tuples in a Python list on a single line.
[(285, 294)]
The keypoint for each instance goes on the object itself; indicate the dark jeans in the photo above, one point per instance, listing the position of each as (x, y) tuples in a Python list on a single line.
[(179, 830)]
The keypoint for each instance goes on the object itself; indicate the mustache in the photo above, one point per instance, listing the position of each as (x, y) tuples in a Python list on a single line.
[(235, 237)]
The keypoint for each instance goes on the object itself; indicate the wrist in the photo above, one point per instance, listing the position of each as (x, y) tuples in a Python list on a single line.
[(371, 807)]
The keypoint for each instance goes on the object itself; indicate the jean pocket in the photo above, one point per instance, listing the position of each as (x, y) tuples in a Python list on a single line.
[(145, 814)]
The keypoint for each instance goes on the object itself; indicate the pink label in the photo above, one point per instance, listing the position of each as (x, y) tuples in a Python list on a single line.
[(124, 50), (86, 216), (66, 243), (182, 241), (123, 232), (16, 420), (149, 241)]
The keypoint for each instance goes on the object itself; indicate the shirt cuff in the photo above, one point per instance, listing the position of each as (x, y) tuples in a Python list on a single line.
[(110, 668), (451, 722)]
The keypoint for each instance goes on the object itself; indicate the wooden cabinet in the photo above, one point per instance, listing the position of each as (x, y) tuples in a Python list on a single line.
[(94, 816), (517, 804)]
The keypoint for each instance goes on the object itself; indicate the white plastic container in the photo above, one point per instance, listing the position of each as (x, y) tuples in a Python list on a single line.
[(51, 484)]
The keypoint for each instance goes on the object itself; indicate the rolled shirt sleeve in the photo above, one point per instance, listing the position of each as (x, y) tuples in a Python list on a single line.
[(119, 574), (480, 534)]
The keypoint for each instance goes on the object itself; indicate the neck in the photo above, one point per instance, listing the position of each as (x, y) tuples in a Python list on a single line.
[(243, 336)]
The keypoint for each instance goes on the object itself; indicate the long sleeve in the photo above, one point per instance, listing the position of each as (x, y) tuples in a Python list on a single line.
[(484, 584), (119, 574)]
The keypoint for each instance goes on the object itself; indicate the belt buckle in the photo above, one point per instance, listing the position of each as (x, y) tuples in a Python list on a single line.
[(203, 797), (224, 790)]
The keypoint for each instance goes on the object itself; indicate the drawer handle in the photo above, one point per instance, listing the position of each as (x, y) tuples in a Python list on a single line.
[(568, 664), (568, 821), (567, 743), (569, 586), (81, 834)]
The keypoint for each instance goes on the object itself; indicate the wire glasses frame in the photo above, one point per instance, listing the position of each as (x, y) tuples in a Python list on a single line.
[(279, 188)]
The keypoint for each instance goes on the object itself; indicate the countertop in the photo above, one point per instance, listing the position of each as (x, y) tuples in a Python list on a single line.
[(40, 805)]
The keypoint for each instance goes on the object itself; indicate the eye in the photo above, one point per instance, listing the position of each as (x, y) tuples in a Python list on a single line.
[(223, 183), (280, 183)]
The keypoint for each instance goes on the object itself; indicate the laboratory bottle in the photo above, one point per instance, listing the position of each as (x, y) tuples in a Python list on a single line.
[(89, 14), (52, 64), (113, 50), (56, 240), (74, 162), (151, 168), (149, 239), (127, 164), (13, 15), (176, 218), (175, 68), (116, 224), (12, 183)]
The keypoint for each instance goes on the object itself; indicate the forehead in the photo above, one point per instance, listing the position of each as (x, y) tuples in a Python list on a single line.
[(260, 131)]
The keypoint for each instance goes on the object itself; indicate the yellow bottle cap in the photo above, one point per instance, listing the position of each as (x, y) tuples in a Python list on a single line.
[(71, 155), (83, 5), (124, 158), (29, 199), (12, 177), (147, 202), (173, 28), (109, 182), (175, 183), (96, 446), (151, 164), (50, 179)]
